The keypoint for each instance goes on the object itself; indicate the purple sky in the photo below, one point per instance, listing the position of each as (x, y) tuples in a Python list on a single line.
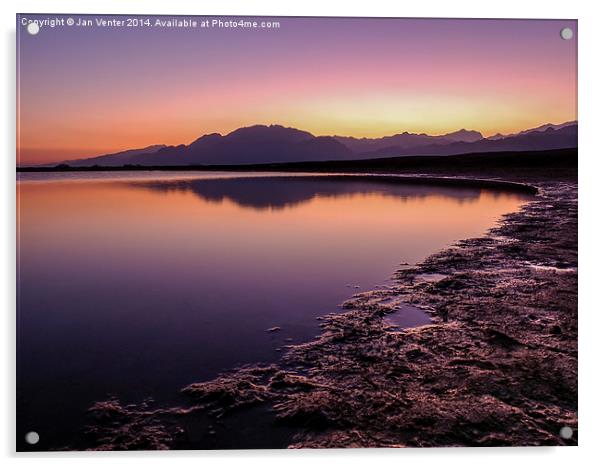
[(90, 90)]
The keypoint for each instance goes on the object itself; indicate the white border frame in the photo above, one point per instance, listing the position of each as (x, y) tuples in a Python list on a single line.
[(590, 106)]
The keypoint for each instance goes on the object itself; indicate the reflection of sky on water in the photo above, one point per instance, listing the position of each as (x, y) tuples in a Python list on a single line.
[(137, 288)]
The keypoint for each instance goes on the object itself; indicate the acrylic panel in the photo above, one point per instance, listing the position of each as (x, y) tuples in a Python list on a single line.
[(295, 232)]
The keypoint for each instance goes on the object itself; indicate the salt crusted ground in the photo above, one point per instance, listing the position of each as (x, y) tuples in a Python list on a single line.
[(498, 365)]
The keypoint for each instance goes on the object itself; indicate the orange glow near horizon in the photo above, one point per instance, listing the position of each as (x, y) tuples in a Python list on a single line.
[(182, 213), (95, 92)]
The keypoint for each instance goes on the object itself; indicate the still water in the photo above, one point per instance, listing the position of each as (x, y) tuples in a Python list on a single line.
[(137, 284)]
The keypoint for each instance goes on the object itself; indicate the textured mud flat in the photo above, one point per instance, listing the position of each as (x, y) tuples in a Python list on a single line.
[(498, 365)]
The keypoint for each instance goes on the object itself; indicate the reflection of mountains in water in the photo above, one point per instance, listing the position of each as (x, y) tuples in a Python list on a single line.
[(278, 192)]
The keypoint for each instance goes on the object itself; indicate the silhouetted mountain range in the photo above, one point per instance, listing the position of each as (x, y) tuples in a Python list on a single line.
[(562, 138), (277, 144)]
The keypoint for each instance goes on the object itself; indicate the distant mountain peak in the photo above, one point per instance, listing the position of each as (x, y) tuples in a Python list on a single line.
[(272, 131), (539, 129), (465, 135)]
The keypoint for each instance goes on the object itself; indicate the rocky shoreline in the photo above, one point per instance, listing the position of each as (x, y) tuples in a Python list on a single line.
[(497, 366)]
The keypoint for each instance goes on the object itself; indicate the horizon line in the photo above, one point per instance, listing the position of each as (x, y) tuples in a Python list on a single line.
[(267, 125)]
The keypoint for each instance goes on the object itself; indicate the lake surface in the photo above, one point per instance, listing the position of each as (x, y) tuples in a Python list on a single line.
[(137, 284)]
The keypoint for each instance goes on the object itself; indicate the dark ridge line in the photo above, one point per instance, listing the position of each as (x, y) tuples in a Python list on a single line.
[(379, 162), (426, 180)]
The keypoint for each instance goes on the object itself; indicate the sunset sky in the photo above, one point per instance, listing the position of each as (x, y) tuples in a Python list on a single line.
[(89, 90)]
